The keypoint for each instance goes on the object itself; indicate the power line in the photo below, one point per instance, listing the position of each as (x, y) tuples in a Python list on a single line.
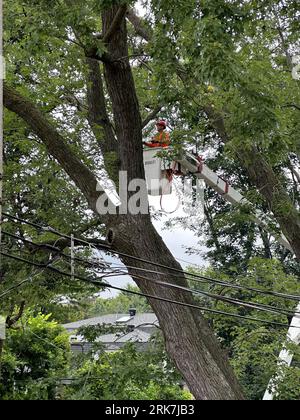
[(54, 249), (203, 279), (184, 304), (51, 230), (233, 301), (209, 280), (193, 277), (226, 299), (230, 300)]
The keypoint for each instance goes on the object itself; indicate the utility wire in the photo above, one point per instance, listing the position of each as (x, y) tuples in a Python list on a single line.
[(149, 296), (51, 230), (238, 302), (203, 279), (226, 299), (191, 276), (54, 249), (209, 280)]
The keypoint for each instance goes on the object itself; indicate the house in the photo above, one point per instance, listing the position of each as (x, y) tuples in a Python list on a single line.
[(137, 328)]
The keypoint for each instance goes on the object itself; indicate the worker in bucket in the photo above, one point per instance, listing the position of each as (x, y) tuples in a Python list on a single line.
[(162, 137)]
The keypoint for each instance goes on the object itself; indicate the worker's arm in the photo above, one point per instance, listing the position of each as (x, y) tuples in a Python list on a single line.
[(167, 138)]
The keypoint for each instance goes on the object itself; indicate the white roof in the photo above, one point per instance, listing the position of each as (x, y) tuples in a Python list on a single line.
[(136, 321)]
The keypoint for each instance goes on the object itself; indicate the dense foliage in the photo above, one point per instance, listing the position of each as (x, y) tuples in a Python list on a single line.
[(222, 73), (252, 346), (35, 357)]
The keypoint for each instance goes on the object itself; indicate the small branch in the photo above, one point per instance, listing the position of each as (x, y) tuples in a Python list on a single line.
[(295, 173), (151, 116), (74, 101), (62, 243), (143, 63), (12, 321), (292, 106), (115, 24), (72, 41)]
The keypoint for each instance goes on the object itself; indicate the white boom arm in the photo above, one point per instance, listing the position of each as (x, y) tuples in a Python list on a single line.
[(194, 165), (285, 357)]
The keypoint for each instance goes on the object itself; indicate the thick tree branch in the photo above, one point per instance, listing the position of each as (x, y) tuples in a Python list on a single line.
[(139, 25), (125, 105), (97, 112), (99, 119), (54, 142), (115, 23)]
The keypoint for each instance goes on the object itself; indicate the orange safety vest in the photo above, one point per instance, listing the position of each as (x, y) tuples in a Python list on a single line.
[(160, 140)]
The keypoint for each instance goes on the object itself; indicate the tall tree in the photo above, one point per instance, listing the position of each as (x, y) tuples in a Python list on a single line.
[(198, 62)]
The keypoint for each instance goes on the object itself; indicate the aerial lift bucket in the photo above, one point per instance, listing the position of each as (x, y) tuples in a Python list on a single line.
[(156, 171)]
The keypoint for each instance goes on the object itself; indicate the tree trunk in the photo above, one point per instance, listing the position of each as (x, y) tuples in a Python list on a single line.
[(189, 340)]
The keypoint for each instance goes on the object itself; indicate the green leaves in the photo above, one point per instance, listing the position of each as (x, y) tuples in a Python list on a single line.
[(35, 354), (128, 374), (254, 349), (120, 304)]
